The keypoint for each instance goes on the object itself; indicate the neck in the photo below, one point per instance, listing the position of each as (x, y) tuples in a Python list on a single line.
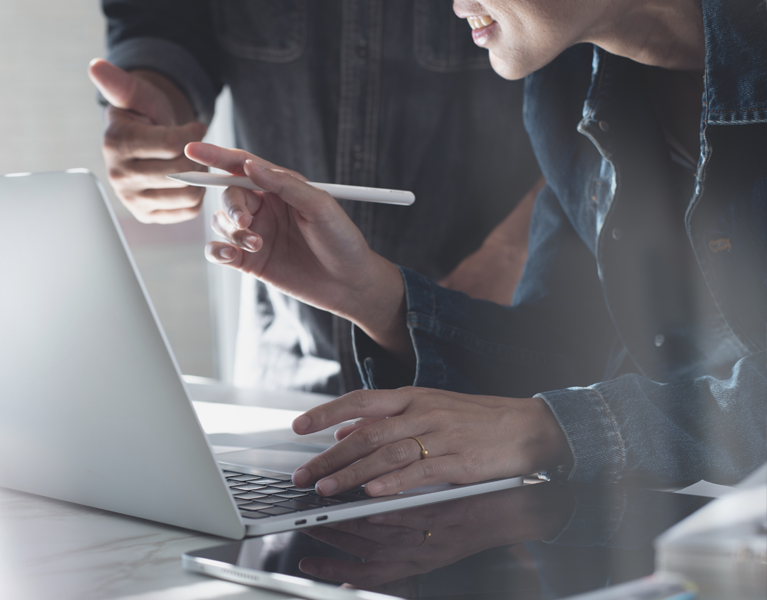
[(659, 33)]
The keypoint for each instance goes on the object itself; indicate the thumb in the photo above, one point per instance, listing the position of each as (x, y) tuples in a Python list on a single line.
[(125, 91)]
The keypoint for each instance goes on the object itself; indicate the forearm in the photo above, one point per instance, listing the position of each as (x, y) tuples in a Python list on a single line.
[(510, 237)]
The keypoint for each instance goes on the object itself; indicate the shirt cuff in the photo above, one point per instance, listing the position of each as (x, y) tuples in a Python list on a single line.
[(378, 369), (592, 432), (175, 63)]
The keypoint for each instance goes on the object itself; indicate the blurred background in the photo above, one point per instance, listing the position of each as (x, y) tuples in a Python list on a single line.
[(49, 120)]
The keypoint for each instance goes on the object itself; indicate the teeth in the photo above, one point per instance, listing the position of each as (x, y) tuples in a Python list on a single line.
[(479, 22)]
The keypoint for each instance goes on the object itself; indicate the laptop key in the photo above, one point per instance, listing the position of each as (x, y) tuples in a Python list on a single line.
[(240, 501), (248, 487), (253, 515), (265, 481), (253, 506), (250, 496), (305, 489), (270, 490), (272, 499), (290, 494), (276, 510)]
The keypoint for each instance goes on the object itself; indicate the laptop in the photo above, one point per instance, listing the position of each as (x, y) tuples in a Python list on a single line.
[(93, 408)]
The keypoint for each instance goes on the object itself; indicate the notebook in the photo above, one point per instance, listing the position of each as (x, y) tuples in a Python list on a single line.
[(93, 408)]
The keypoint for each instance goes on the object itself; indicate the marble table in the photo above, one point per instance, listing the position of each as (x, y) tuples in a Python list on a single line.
[(57, 550)]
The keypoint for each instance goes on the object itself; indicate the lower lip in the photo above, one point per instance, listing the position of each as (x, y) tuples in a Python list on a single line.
[(482, 35)]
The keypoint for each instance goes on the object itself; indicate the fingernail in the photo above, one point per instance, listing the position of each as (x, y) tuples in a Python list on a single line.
[(251, 165), (301, 423), (226, 254), (375, 488), (300, 477), (237, 215), (308, 567), (250, 242), (327, 486)]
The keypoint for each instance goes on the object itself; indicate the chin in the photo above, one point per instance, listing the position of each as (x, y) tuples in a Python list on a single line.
[(508, 69)]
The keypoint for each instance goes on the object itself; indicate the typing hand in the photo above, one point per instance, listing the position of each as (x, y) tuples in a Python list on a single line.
[(301, 241), (148, 123), (468, 439)]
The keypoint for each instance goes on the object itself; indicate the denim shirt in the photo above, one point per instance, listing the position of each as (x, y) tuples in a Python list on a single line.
[(641, 316), (388, 93)]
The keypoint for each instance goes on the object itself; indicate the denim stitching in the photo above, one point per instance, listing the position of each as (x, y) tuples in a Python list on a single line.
[(615, 426)]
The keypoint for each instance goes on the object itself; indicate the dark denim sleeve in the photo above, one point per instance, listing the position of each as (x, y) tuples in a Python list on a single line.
[(174, 38), (632, 427), (555, 335)]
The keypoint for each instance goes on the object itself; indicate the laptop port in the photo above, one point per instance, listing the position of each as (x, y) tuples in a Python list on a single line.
[(301, 522), (322, 518)]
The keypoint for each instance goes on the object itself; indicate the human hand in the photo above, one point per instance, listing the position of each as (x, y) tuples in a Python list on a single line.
[(493, 271), (148, 123), (404, 543), (469, 439), (299, 239)]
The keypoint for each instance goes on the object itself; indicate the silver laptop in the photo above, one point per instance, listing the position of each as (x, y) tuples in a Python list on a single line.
[(93, 408)]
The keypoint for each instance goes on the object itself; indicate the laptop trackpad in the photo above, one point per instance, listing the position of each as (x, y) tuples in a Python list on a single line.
[(282, 458)]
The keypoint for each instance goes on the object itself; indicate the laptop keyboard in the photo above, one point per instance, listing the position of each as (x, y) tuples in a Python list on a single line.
[(258, 497)]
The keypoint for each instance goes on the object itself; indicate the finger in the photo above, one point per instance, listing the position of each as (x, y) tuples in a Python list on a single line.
[(152, 200), (240, 205), (178, 215), (123, 90), (442, 469), (224, 254), (231, 160), (365, 467), (291, 188), (343, 432), (244, 238), (386, 434), (134, 175), (127, 137), (377, 404)]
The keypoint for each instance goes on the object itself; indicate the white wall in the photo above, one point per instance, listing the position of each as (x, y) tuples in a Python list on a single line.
[(49, 120)]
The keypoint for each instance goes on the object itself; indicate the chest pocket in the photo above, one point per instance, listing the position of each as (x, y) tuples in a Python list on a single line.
[(442, 42), (267, 30)]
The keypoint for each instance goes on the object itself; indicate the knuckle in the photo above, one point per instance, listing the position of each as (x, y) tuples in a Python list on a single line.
[(369, 437), (363, 399), (395, 454), (430, 470), (377, 553)]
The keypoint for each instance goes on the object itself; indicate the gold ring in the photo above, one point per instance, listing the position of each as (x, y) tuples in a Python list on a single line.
[(426, 536), (424, 451)]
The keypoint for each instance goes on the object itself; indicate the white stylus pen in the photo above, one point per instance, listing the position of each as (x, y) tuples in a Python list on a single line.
[(340, 192)]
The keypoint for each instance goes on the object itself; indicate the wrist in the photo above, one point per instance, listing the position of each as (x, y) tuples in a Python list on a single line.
[(378, 307)]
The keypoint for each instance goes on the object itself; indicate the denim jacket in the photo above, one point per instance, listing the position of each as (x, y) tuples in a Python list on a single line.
[(641, 316), (389, 93)]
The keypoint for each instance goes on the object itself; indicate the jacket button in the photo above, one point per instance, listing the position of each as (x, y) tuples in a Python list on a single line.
[(659, 340), (617, 234), (604, 126)]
